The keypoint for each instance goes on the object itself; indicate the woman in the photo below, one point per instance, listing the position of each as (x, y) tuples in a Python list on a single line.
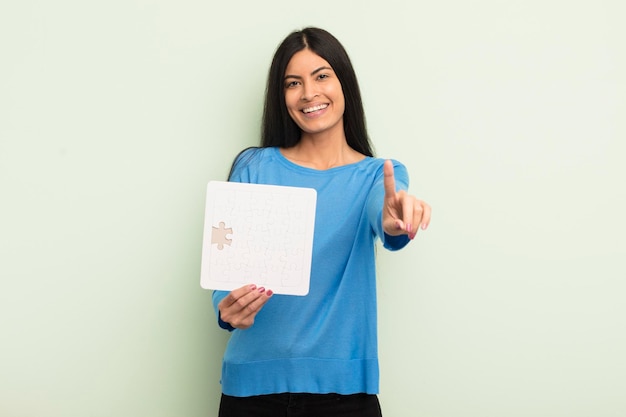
[(317, 355)]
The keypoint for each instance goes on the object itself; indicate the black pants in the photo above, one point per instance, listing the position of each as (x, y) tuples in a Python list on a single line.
[(301, 405)]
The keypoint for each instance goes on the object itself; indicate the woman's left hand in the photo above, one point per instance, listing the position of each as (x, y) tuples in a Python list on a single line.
[(403, 214)]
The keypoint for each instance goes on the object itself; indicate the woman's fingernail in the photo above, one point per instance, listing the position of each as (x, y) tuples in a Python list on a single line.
[(424, 226), (398, 225), (262, 289), (252, 287), (269, 293), (408, 228)]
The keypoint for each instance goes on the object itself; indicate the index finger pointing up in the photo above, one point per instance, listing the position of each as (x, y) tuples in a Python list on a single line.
[(389, 180)]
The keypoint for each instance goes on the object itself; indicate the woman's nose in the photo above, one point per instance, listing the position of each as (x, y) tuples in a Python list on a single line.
[(309, 91)]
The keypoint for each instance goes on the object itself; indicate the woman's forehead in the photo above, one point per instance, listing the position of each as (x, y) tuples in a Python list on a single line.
[(306, 60)]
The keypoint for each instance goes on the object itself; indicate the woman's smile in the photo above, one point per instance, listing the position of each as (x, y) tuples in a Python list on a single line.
[(314, 108)]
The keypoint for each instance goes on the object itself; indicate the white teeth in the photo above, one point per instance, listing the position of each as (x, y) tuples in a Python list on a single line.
[(315, 108)]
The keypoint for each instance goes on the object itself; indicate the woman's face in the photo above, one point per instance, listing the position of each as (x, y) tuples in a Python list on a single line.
[(313, 94)]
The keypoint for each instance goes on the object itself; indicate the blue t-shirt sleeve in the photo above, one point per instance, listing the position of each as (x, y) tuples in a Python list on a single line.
[(375, 205), (240, 173)]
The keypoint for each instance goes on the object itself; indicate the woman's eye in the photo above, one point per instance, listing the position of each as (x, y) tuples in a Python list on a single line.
[(291, 84), (322, 76)]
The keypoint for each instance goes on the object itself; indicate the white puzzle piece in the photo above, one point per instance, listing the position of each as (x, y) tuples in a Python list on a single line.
[(258, 234)]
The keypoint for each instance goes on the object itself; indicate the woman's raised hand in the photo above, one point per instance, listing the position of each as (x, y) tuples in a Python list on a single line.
[(240, 306), (402, 212)]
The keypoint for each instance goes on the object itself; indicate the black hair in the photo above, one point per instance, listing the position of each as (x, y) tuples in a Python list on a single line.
[(278, 128)]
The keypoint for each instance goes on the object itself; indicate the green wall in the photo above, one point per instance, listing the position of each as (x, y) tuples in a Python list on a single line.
[(509, 115)]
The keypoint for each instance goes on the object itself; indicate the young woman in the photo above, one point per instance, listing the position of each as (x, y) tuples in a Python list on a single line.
[(317, 355)]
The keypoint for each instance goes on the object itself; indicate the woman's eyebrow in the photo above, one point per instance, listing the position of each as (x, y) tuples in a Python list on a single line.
[(312, 73), (321, 69)]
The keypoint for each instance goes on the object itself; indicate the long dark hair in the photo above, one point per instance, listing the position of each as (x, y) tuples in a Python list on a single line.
[(278, 129)]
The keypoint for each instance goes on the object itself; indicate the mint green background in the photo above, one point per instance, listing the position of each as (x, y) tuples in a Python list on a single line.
[(510, 116)]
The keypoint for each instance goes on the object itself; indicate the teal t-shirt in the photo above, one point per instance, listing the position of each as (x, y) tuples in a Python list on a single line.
[(326, 341)]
